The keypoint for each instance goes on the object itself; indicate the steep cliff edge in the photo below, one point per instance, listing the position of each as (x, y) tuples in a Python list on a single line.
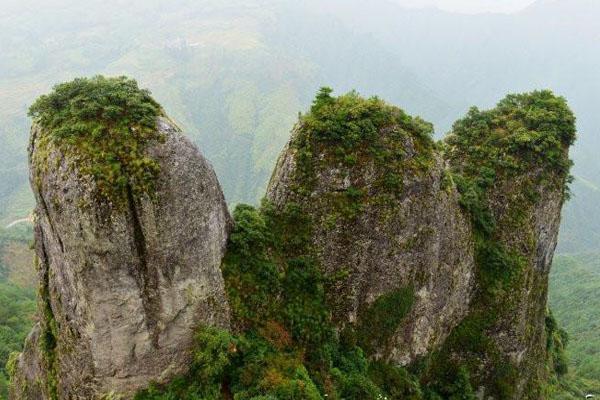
[(128, 262)]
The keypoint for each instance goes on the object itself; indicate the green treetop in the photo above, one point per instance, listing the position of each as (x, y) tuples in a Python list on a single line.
[(107, 122)]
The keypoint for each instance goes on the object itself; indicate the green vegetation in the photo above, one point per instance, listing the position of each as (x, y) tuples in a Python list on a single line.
[(379, 322), (268, 69), (286, 347), (17, 306), (17, 296), (572, 387), (574, 288), (514, 151), (48, 337), (107, 123), (350, 131), (524, 130), (267, 365), (556, 344)]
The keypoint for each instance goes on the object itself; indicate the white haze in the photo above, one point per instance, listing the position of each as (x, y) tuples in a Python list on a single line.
[(470, 6)]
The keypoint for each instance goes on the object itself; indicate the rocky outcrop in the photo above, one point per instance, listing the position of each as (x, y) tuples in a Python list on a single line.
[(373, 237), (123, 289), (450, 261), (520, 330), (510, 307), (512, 165), (413, 242)]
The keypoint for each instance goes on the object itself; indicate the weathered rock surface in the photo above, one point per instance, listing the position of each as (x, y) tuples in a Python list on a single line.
[(123, 289), (419, 240), (512, 163), (519, 330)]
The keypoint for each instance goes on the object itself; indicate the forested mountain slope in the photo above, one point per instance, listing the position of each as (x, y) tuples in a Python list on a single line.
[(235, 73), (575, 301)]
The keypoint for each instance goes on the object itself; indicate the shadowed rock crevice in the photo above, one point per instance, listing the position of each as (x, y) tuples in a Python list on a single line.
[(44, 208), (146, 276)]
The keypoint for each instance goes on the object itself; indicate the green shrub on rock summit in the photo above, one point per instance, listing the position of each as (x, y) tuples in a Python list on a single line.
[(107, 123), (353, 131), (523, 132), (511, 167)]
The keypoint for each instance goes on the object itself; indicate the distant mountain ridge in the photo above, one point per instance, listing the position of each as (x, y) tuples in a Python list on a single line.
[(434, 63)]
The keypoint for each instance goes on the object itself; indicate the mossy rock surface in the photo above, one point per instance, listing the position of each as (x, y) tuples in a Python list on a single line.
[(381, 217), (511, 166), (126, 275), (103, 125)]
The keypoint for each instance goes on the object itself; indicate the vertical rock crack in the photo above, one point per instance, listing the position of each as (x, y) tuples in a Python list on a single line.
[(146, 276)]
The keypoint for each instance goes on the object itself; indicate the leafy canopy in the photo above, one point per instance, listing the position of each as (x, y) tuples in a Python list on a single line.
[(523, 131), (107, 122)]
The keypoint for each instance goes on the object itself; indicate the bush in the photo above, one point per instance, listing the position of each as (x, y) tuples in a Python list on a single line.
[(107, 122)]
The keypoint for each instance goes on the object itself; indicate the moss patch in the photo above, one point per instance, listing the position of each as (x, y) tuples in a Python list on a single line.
[(379, 322)]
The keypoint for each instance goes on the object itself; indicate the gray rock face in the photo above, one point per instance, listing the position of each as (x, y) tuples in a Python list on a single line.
[(419, 240), (519, 332), (123, 290)]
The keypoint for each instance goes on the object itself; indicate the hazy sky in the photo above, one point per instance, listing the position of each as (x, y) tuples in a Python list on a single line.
[(471, 6)]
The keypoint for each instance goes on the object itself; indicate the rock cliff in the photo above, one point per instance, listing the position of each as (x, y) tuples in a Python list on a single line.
[(382, 264), (462, 233), (386, 221), (512, 166), (123, 285)]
